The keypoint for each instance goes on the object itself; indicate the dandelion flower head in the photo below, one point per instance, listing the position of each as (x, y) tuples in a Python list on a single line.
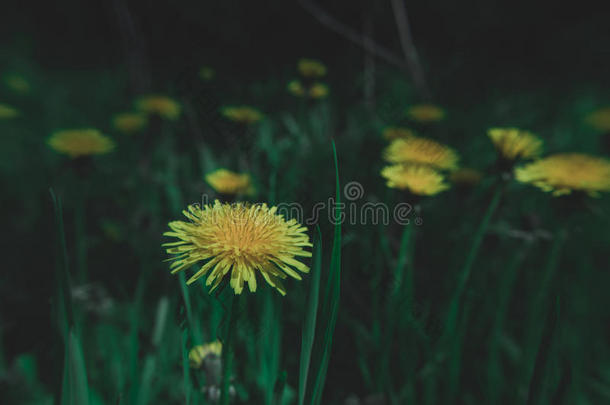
[(318, 90), (419, 180), (80, 142), (239, 241), (425, 113), (295, 87), (8, 112), (513, 144), (242, 114), (17, 83), (564, 173), (421, 151), (227, 182), (198, 353), (599, 119), (311, 68), (163, 106), (129, 123)]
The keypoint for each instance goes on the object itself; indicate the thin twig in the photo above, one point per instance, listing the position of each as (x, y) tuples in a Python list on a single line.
[(351, 35), (408, 47)]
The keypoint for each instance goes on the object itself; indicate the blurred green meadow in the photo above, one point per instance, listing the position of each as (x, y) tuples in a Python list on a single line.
[(491, 291)]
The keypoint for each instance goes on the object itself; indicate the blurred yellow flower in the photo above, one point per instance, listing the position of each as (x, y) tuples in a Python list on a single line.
[(17, 83), (318, 90), (206, 73), (311, 68), (513, 143), (227, 182), (7, 112), (391, 133), (129, 123), (242, 114), (425, 113), (466, 177), (419, 180), (422, 151), (296, 88), (563, 173), (599, 119), (198, 353), (238, 241), (80, 142), (163, 106)]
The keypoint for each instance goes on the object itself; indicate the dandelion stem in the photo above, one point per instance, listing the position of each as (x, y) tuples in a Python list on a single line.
[(401, 292), (550, 324), (470, 258), (451, 335), (227, 348), (80, 225), (494, 373), (64, 273)]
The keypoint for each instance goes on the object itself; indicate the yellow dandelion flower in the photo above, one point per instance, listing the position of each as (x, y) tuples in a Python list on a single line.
[(227, 182), (163, 106), (563, 173), (240, 239), (420, 180), (311, 68), (318, 90), (295, 88), (17, 83), (466, 177), (206, 73), (391, 133), (8, 112), (80, 142), (599, 119), (422, 151), (129, 123), (514, 144), (242, 114), (425, 113), (198, 353)]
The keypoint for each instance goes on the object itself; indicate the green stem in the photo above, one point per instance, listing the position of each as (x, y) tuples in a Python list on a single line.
[(64, 273), (81, 236), (400, 296), (494, 373), (451, 336), (470, 258), (535, 389), (227, 348)]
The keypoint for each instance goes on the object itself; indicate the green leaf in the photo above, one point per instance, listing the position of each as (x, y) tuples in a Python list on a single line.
[(75, 389), (309, 326), (333, 290)]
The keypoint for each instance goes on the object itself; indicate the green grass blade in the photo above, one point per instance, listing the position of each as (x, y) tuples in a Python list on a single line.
[(145, 388), (186, 368), (227, 346), (63, 271), (536, 385), (75, 389), (309, 326), (331, 301)]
